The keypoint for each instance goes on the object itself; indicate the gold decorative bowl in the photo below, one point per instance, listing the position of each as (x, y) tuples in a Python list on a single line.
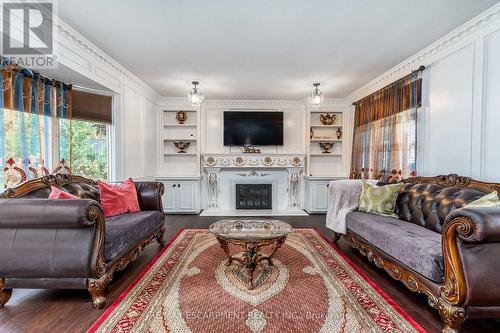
[(326, 146), (181, 146)]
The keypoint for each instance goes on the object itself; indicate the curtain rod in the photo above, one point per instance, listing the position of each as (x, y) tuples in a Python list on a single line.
[(29, 72), (418, 70)]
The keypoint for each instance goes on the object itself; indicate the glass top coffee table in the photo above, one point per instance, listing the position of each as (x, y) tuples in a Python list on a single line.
[(251, 235)]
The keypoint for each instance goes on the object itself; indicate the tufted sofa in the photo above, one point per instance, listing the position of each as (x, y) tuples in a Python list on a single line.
[(68, 244), (438, 246)]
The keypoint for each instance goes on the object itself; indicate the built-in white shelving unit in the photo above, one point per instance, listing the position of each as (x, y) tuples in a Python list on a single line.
[(322, 164), (189, 177), (322, 167), (180, 172), (177, 164)]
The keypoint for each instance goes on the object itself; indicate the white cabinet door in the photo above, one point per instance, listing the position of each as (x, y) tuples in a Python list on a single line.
[(186, 196), (169, 197), (181, 196), (319, 196)]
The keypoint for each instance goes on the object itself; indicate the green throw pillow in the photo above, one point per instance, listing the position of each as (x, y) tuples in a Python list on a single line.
[(380, 200), (489, 200)]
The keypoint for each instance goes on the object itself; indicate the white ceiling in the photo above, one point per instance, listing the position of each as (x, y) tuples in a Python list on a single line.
[(264, 49)]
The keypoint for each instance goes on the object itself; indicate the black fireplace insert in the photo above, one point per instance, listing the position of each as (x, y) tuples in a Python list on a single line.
[(254, 196)]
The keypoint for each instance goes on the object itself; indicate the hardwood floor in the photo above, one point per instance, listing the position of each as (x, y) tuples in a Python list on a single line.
[(71, 310)]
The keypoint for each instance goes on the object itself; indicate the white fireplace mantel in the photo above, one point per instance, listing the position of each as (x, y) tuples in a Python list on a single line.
[(283, 171), (251, 160)]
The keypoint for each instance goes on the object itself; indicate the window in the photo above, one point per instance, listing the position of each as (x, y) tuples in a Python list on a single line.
[(33, 144), (384, 144), (89, 149), (92, 117)]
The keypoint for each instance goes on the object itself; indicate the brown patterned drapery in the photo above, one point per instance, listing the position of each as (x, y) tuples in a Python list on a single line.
[(384, 145)]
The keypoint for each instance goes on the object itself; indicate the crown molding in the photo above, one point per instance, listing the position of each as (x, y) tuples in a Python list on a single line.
[(67, 33), (328, 103), (425, 56), (252, 104)]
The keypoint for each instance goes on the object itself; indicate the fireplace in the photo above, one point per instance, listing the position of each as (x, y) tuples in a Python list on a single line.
[(254, 196)]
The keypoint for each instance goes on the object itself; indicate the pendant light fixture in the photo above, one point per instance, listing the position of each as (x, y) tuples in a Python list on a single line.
[(316, 96), (194, 96)]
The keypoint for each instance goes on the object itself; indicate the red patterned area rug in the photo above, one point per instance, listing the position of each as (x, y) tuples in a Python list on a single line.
[(312, 287)]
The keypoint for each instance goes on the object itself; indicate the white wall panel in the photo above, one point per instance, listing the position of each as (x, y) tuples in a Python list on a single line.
[(491, 166), (450, 105), (133, 133), (150, 134)]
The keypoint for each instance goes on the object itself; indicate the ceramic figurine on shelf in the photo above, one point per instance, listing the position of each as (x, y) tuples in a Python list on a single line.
[(327, 119), (181, 146), (326, 146), (339, 133), (181, 117)]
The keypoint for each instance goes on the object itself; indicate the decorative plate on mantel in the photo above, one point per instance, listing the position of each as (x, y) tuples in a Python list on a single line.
[(210, 161), (268, 161), (239, 161), (296, 161)]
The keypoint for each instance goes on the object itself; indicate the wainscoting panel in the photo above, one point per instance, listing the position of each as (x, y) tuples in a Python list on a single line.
[(450, 117), (132, 141), (491, 166)]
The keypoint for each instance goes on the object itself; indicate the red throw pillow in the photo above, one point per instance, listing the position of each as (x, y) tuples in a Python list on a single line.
[(118, 199), (56, 193)]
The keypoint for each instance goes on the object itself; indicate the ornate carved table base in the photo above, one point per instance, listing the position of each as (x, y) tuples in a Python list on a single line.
[(251, 257)]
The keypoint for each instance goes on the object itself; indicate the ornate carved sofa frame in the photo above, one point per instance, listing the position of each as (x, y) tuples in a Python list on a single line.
[(56, 244), (470, 239)]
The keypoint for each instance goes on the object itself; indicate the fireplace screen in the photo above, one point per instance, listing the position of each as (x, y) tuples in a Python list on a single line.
[(254, 196)]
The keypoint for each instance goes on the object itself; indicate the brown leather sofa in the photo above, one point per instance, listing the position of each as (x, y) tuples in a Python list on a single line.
[(438, 246), (68, 244)]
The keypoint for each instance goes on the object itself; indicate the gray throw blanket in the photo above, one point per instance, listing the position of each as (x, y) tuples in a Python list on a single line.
[(344, 198)]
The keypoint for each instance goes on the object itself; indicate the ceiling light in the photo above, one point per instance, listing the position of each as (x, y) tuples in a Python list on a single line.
[(194, 96), (316, 96)]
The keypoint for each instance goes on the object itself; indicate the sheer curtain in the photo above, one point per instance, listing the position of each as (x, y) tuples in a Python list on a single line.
[(35, 125), (384, 145)]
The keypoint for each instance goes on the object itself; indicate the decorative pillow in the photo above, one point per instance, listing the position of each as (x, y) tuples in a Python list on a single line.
[(489, 200), (118, 199), (380, 200), (56, 193)]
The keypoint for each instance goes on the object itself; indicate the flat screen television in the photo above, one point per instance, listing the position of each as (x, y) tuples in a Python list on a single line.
[(253, 128)]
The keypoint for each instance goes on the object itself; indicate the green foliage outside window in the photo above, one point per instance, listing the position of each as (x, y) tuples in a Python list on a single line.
[(89, 149)]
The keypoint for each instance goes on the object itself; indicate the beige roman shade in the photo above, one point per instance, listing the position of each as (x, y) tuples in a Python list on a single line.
[(92, 107)]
